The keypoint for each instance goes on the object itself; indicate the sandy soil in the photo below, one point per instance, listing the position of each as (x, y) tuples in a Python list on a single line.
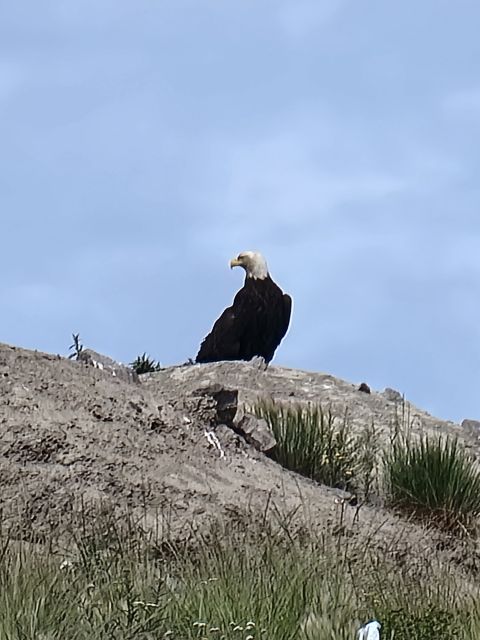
[(74, 437)]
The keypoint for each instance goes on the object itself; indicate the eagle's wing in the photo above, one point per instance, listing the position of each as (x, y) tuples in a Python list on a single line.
[(285, 321), (280, 321), (224, 340)]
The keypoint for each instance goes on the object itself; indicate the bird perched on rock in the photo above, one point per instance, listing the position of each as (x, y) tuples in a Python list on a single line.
[(256, 322)]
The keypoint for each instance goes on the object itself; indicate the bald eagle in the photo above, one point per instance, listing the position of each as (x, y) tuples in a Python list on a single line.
[(257, 320)]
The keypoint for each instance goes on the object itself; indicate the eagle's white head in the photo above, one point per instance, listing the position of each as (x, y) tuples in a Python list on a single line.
[(253, 262)]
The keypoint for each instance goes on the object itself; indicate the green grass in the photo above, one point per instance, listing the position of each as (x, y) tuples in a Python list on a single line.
[(247, 581), (312, 442), (145, 364), (315, 443), (434, 479)]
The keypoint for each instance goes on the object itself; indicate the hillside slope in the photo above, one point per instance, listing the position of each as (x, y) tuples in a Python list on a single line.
[(72, 436)]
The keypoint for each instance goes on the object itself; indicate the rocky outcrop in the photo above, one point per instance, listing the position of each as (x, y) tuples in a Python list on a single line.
[(387, 409)]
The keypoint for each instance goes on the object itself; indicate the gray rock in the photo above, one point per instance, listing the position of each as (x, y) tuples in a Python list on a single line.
[(472, 426), (222, 404), (256, 432), (225, 402), (392, 395)]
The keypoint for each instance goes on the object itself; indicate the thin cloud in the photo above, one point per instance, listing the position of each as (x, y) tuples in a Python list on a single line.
[(11, 78), (300, 18), (465, 102), (286, 176)]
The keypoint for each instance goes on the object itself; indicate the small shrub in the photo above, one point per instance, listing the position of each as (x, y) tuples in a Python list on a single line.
[(312, 442), (145, 364), (430, 622), (76, 347), (433, 478)]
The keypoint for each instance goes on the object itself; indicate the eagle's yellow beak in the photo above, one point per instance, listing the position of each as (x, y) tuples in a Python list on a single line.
[(235, 262)]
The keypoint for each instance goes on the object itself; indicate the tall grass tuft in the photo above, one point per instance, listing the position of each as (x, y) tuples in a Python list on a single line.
[(312, 442), (434, 479)]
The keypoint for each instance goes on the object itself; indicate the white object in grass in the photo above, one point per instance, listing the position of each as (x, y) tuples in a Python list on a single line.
[(369, 631)]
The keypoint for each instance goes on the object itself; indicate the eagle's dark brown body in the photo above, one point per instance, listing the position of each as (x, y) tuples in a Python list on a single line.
[(253, 326)]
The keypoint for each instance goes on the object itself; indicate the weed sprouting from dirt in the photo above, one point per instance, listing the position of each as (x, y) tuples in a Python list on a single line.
[(145, 364), (76, 347)]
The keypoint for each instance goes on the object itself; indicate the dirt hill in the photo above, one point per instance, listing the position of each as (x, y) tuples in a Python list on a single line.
[(164, 447)]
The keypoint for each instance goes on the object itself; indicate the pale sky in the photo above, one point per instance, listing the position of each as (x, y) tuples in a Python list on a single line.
[(144, 144)]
